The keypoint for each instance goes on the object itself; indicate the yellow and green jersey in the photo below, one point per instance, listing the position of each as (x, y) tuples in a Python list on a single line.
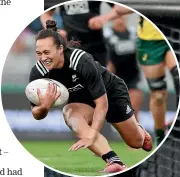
[(147, 31)]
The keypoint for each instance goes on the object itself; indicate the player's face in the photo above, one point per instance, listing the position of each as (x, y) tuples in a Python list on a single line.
[(119, 24), (48, 53)]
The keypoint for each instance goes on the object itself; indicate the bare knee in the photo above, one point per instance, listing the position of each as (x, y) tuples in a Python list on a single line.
[(75, 120), (131, 133), (70, 120), (158, 98), (136, 142), (73, 123), (67, 110)]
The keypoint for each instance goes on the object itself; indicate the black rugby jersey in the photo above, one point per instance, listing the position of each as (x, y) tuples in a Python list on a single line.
[(85, 79), (75, 17)]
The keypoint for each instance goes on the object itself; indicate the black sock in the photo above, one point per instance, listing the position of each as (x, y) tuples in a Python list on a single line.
[(112, 157), (175, 76), (160, 134)]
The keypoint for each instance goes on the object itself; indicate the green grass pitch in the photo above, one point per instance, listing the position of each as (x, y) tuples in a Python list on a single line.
[(82, 162)]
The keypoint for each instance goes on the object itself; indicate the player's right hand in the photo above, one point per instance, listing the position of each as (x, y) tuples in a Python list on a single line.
[(51, 95), (96, 23), (83, 143)]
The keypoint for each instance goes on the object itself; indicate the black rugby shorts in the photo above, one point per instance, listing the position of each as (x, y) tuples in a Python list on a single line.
[(120, 108)]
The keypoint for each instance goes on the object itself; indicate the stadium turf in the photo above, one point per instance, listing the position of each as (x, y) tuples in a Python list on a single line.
[(82, 162)]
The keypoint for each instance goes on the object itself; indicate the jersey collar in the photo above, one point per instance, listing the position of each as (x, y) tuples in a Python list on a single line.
[(41, 68)]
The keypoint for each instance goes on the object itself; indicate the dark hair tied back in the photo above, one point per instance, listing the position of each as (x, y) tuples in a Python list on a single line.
[(51, 31), (51, 24)]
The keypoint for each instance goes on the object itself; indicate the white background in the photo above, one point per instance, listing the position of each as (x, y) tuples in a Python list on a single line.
[(13, 19)]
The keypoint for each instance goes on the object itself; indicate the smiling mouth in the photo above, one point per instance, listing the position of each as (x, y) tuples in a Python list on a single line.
[(47, 62)]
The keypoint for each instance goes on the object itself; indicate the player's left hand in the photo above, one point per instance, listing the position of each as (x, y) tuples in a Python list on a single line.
[(83, 143)]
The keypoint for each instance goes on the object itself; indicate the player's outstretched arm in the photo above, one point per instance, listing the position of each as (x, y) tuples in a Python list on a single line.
[(89, 71), (98, 22)]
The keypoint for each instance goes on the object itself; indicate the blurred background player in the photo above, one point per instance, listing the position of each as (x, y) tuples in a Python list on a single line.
[(154, 55), (121, 41), (76, 16)]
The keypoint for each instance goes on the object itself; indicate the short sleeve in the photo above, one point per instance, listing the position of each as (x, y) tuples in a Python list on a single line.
[(37, 74), (88, 70)]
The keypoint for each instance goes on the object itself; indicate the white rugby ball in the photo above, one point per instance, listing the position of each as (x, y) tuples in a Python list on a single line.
[(42, 84)]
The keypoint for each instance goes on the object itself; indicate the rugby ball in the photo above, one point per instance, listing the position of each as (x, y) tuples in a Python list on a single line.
[(42, 84)]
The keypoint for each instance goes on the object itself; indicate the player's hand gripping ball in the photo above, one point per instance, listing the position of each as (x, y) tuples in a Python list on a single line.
[(42, 84)]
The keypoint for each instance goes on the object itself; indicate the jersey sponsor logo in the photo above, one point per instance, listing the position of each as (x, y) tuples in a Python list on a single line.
[(77, 8), (128, 109), (74, 78), (75, 57), (76, 88), (41, 68)]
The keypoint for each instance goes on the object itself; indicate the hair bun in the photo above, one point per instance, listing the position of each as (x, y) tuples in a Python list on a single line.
[(51, 24)]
